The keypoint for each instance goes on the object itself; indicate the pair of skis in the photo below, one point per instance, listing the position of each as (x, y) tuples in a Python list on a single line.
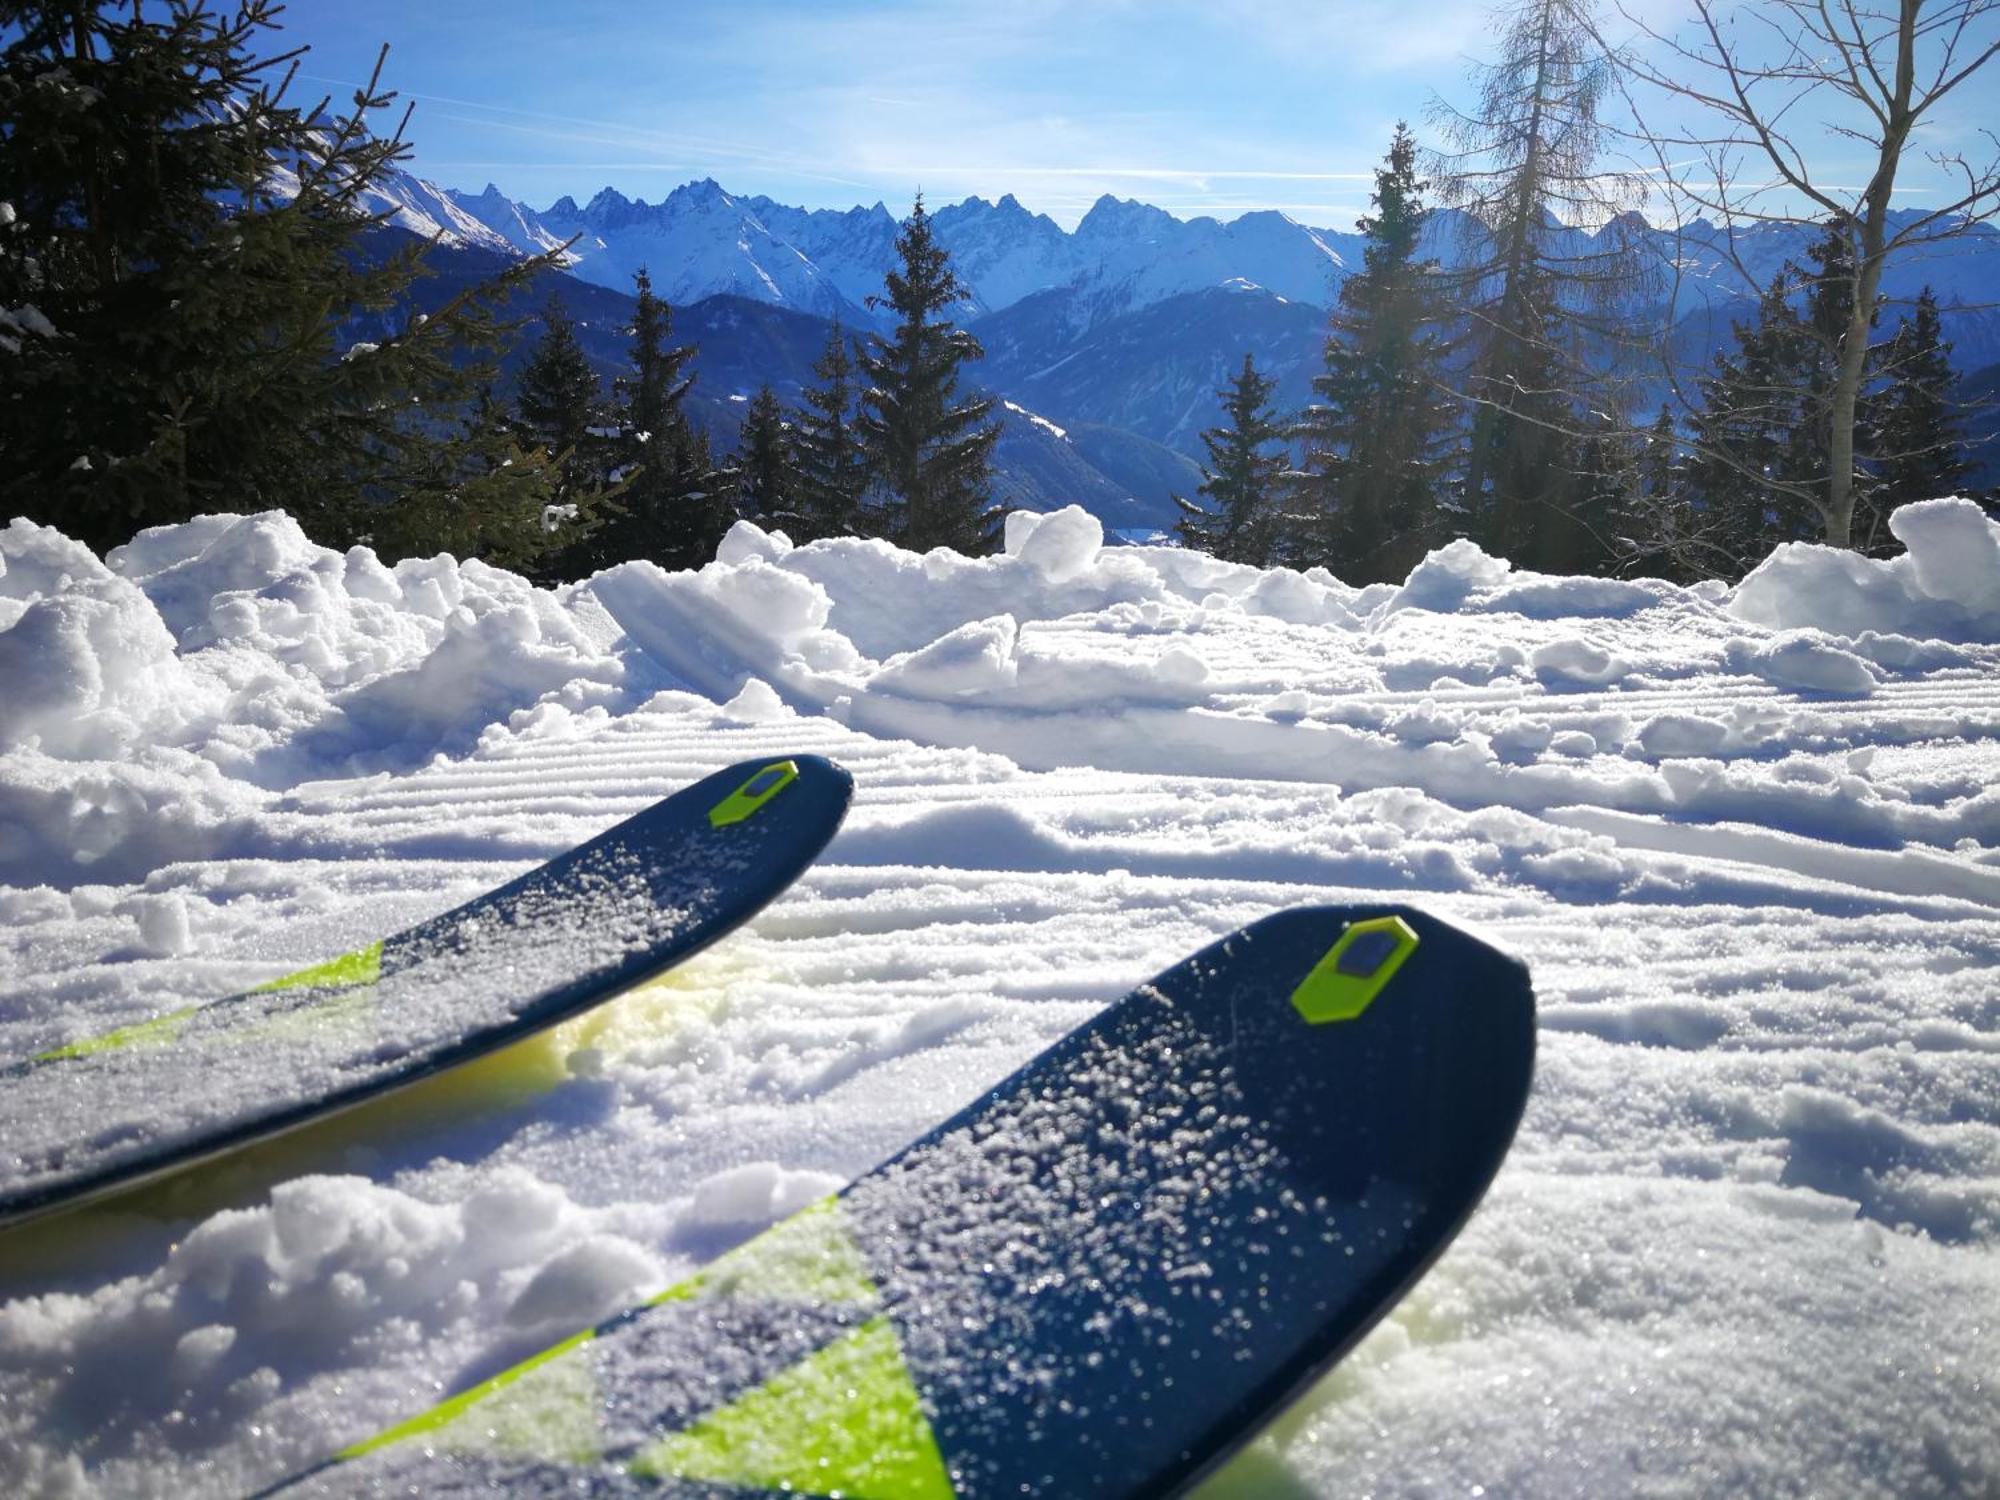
[(1099, 1279)]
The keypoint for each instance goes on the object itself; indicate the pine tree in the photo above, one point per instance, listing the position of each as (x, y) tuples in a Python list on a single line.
[(764, 458), (1535, 297), (187, 261), (1240, 479), (830, 472), (1919, 449), (929, 453), (558, 403), (1366, 498)]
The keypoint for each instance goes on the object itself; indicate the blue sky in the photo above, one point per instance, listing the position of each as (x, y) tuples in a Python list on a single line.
[(1217, 107)]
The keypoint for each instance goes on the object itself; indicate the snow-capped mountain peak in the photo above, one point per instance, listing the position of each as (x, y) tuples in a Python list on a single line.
[(518, 228), (1125, 219), (702, 239)]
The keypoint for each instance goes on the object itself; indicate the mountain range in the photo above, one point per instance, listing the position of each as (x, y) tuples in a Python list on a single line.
[(701, 240), (1115, 335)]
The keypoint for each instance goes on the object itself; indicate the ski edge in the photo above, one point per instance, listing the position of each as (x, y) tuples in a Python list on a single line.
[(51, 1202)]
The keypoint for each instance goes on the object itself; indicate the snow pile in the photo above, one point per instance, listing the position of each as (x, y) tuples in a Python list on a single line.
[(89, 666), (231, 636), (1946, 585), (153, 699), (329, 1269), (160, 700), (1748, 841)]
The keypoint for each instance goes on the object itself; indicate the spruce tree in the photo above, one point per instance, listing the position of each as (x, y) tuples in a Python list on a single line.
[(1919, 447), (709, 490), (479, 493), (929, 452), (1658, 533), (1750, 437), (764, 458), (1605, 490), (1240, 479), (830, 472), (559, 406), (1365, 501), (675, 505), (1764, 431), (188, 262)]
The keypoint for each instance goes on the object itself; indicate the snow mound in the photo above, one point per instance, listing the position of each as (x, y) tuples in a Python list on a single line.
[(1573, 662), (1449, 576), (156, 701), (88, 666), (1945, 586), (1807, 662), (147, 700), (1060, 545)]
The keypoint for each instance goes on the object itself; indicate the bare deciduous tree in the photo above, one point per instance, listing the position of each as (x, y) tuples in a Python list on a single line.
[(1870, 76), (1547, 278)]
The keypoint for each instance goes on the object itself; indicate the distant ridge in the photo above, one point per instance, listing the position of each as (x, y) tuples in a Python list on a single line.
[(703, 240)]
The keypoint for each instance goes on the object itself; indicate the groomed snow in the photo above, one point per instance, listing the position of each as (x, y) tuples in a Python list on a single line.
[(1749, 841)]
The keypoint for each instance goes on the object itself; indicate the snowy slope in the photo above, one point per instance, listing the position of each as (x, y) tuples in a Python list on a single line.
[(435, 213), (1749, 842)]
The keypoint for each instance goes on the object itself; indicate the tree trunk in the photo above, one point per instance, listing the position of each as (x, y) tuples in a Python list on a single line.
[(1873, 228)]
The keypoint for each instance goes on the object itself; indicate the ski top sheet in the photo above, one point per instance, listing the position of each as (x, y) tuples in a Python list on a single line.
[(1097, 1281), (105, 1112)]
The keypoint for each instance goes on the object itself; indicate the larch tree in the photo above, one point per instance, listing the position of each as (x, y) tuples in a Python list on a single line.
[(1548, 276), (1241, 477), (929, 450)]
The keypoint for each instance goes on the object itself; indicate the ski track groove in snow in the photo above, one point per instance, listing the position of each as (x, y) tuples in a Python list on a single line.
[(1746, 1241)]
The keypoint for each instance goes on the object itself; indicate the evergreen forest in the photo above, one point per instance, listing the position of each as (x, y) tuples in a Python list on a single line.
[(199, 309)]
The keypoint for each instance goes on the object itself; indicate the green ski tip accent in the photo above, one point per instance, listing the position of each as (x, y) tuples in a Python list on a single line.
[(551, 1417), (753, 794), (809, 1257), (1355, 970), (845, 1420), (158, 1032), (363, 966)]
